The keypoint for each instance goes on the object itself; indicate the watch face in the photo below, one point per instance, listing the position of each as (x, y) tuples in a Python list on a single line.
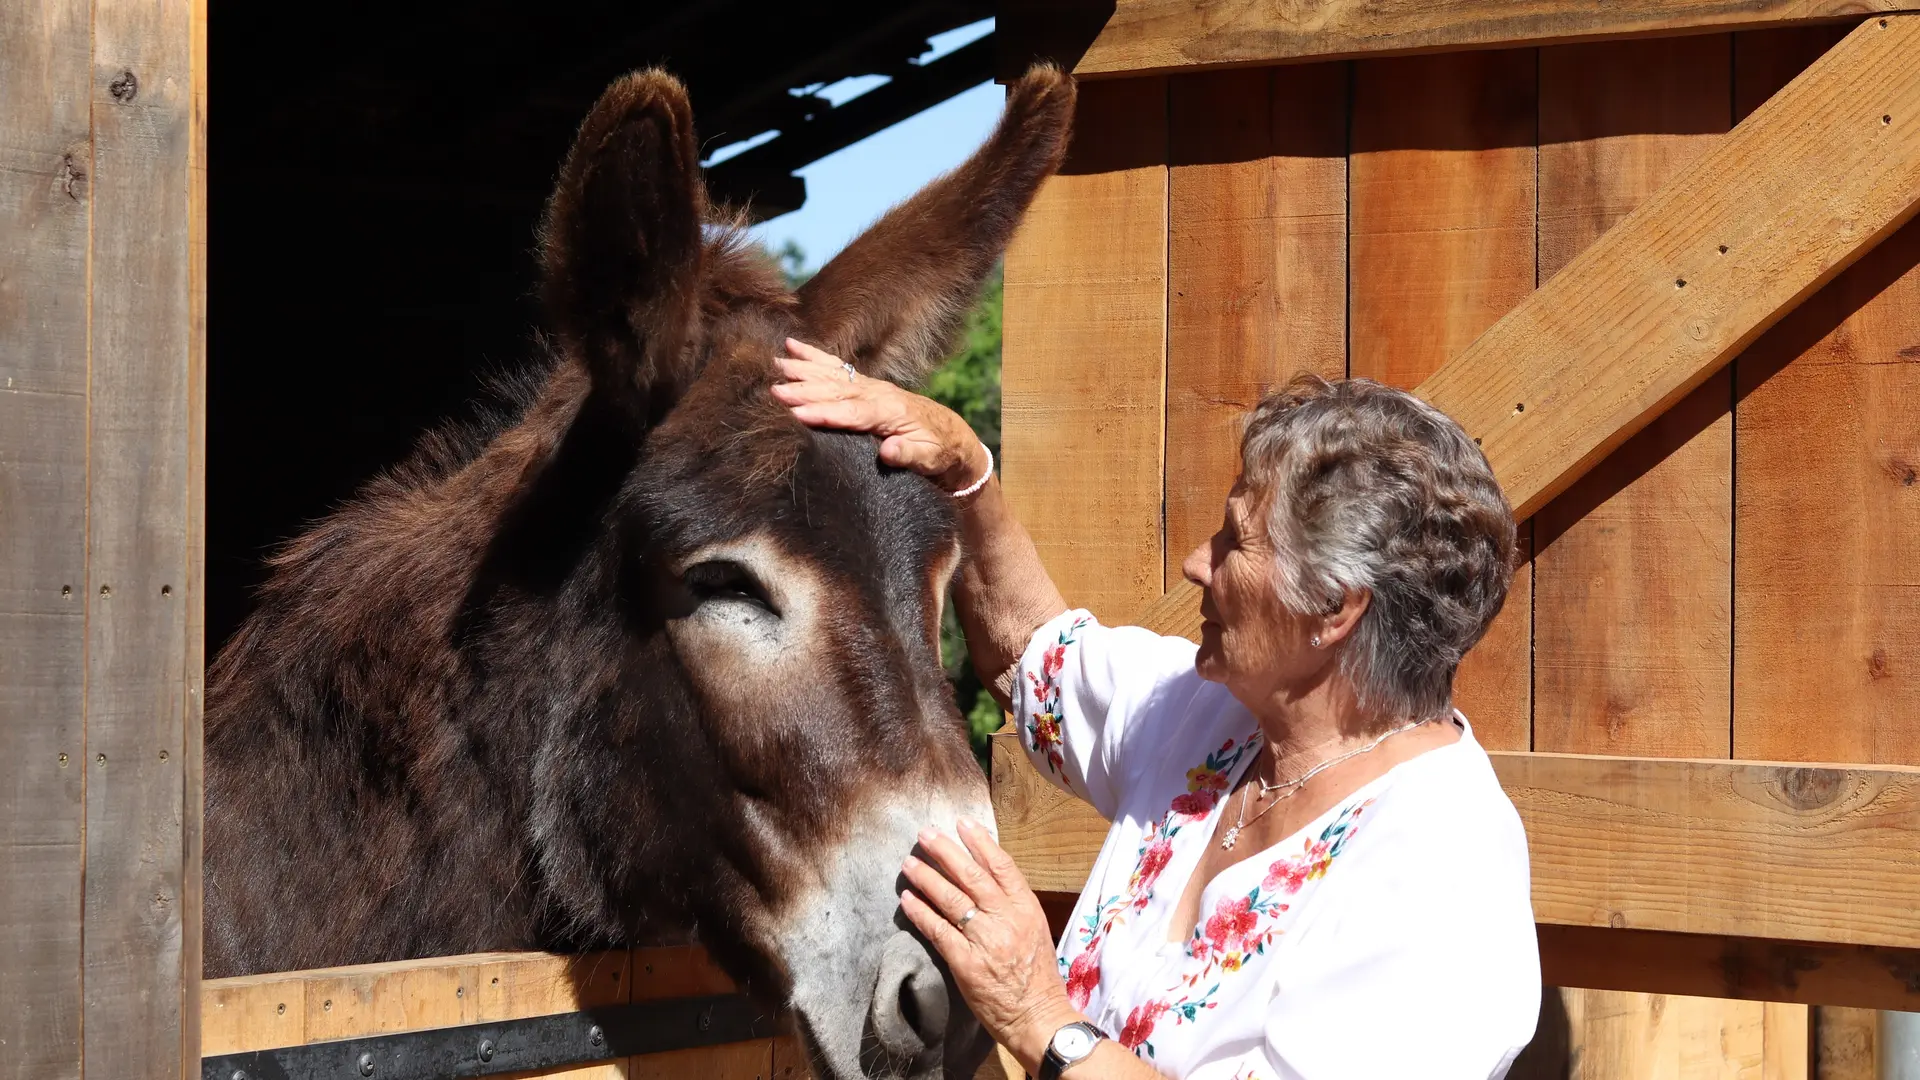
[(1073, 1043)]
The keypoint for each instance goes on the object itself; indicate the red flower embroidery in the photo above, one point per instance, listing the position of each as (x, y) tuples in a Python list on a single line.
[(1231, 924), (1194, 804), (1153, 859), (1140, 1024), (1051, 663), (1286, 876), (1082, 977)]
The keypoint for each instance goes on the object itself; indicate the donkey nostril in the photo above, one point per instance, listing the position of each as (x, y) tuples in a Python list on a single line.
[(909, 1012)]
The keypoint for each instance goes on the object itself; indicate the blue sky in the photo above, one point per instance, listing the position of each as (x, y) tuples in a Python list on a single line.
[(847, 190)]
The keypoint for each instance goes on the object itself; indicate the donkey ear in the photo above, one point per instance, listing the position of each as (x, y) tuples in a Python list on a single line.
[(893, 301), (620, 246)]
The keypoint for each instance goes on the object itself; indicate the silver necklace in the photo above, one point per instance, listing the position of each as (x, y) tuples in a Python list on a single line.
[(1292, 787)]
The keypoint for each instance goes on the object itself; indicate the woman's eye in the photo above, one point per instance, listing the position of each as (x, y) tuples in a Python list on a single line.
[(727, 581)]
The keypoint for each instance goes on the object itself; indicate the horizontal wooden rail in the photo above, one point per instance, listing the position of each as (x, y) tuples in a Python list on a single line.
[(263, 1012), (1823, 854), (1140, 37), (1710, 965)]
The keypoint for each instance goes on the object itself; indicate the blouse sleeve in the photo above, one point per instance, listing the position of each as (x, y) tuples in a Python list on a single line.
[(1085, 693)]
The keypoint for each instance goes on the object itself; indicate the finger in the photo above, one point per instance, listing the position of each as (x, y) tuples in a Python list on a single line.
[(803, 351), (939, 893), (808, 371), (951, 943), (959, 867), (851, 414), (992, 857), (803, 391)]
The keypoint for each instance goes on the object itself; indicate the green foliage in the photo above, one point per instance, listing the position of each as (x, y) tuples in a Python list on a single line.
[(969, 384)]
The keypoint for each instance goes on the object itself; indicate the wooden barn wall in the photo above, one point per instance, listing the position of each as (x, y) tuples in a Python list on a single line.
[(101, 419), (1737, 580)]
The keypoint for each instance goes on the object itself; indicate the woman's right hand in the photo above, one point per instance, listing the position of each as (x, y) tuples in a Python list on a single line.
[(915, 432)]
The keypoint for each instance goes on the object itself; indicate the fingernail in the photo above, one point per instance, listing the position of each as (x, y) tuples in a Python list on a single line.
[(968, 823), (909, 863), (927, 835)]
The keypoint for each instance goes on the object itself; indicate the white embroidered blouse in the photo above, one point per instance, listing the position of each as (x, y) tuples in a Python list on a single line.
[(1391, 938)]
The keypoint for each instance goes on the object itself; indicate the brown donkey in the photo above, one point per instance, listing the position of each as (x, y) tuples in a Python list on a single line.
[(647, 660)]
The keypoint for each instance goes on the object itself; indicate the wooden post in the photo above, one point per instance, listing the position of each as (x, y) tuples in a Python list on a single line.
[(101, 422)]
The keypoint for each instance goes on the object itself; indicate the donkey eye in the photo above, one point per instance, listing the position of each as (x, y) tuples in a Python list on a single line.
[(727, 581)]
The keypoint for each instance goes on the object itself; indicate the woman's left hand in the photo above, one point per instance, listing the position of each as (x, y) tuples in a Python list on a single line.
[(1002, 958)]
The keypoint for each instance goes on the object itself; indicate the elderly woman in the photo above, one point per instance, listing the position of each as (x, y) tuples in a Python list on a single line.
[(1312, 871)]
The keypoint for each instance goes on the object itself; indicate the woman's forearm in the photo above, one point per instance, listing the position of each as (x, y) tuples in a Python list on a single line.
[(1002, 591)]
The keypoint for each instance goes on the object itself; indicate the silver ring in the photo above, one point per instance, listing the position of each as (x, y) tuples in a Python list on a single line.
[(848, 368), (967, 918)]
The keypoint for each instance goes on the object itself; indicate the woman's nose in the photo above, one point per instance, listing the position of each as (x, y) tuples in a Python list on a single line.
[(1199, 565)]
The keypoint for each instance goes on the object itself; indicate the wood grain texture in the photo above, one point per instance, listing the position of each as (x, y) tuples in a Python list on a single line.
[(193, 592), (1141, 36), (1633, 576), (1801, 188), (1083, 384), (1717, 847), (1256, 265), (45, 198), (260, 1012), (1706, 847), (1827, 632), (1749, 969), (1441, 220), (140, 415)]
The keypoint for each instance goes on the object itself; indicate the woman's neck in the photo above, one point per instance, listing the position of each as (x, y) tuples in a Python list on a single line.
[(1304, 728)]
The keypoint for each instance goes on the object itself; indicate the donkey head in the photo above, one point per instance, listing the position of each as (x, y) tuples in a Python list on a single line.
[(777, 727)]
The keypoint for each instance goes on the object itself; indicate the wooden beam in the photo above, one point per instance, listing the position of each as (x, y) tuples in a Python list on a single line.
[(1797, 853), (1137, 37), (1808, 183), (1716, 966)]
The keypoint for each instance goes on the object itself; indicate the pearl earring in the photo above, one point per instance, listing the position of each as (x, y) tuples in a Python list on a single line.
[(1316, 641)]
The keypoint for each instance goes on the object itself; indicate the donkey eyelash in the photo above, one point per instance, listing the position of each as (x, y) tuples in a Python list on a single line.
[(724, 579)]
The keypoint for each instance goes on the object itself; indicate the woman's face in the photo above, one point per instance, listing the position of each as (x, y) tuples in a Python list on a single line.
[(1249, 642)]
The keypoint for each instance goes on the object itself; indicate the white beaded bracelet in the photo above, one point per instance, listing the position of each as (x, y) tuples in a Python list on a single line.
[(984, 477)]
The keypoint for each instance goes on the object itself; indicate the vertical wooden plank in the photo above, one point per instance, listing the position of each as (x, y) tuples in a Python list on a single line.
[(1827, 526), (139, 418), (1083, 384), (1441, 234), (1633, 569), (1787, 1037), (193, 665), (1844, 1044), (1633, 565), (1256, 266), (45, 199)]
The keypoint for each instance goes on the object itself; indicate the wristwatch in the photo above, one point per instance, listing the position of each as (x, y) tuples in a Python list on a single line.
[(1068, 1047)]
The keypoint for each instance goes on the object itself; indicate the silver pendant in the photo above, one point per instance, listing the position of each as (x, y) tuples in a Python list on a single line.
[(1232, 837)]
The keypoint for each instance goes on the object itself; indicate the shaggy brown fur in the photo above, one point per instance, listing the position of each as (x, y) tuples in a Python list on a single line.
[(459, 719)]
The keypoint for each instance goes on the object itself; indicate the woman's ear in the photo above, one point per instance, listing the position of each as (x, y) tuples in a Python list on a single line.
[(1335, 626)]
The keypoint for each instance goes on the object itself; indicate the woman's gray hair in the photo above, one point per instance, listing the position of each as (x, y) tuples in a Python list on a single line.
[(1370, 488)]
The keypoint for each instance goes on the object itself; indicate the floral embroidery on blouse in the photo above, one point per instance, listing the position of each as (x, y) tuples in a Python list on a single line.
[(1241, 927), (1205, 783), (1043, 733)]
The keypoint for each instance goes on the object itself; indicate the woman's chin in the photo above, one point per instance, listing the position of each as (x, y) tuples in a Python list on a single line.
[(1210, 662)]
